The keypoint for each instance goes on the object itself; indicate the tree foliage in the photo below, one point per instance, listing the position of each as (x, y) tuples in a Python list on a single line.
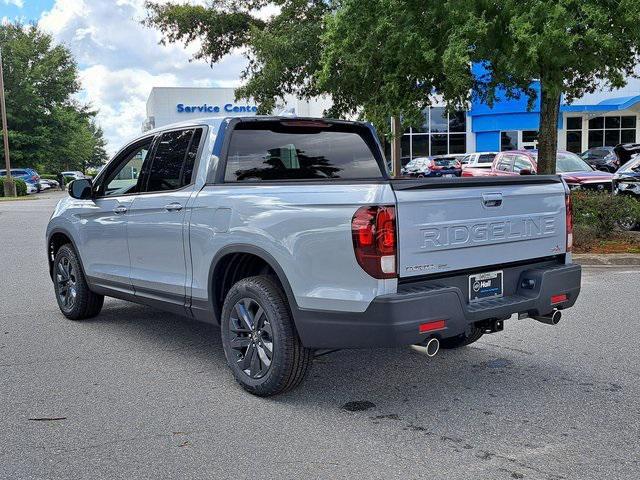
[(380, 58), (48, 130)]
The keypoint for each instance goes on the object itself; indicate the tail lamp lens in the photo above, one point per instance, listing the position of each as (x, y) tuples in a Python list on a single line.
[(569, 222), (374, 240)]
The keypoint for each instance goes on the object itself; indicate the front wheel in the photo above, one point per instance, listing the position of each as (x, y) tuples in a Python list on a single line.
[(74, 298), (260, 341)]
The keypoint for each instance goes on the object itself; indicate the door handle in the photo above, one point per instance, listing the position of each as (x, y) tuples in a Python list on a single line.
[(120, 209), (173, 207)]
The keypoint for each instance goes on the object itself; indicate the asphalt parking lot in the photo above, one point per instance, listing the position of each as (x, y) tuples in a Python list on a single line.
[(137, 393)]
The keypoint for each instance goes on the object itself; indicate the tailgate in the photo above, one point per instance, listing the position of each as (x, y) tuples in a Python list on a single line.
[(471, 223)]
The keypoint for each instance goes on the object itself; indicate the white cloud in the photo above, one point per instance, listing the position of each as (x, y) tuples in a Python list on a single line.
[(120, 60), (17, 3)]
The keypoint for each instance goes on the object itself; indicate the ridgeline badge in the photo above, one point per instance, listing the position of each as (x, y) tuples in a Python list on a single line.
[(206, 108)]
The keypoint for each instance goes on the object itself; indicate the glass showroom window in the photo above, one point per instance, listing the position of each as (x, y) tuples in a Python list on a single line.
[(441, 133), (508, 140), (610, 131), (574, 134)]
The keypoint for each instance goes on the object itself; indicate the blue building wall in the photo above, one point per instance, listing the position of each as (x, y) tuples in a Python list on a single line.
[(505, 114)]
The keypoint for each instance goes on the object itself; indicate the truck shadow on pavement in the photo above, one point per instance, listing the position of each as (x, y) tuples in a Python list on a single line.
[(484, 402), (492, 372)]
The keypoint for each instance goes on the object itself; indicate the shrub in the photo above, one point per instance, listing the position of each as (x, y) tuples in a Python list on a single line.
[(21, 187), (49, 176), (597, 215)]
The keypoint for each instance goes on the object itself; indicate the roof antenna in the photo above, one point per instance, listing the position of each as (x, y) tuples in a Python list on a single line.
[(288, 112)]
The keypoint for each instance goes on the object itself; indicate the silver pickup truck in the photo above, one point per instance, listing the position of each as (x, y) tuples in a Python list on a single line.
[(290, 234)]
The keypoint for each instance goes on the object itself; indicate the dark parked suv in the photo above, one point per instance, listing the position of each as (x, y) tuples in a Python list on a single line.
[(602, 158)]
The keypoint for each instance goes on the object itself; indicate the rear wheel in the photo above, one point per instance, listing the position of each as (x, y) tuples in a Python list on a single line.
[(260, 341), (74, 298), (465, 339)]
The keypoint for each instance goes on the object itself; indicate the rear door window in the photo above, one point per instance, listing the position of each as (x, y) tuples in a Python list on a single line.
[(172, 163), (505, 164), (300, 150)]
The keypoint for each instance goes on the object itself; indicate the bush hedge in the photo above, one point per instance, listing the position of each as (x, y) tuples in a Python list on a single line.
[(21, 187), (600, 213)]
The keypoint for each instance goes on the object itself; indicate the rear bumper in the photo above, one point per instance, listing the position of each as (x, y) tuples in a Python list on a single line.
[(393, 320)]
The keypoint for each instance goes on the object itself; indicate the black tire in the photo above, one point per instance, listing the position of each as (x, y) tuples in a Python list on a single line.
[(74, 298), (260, 302), (463, 340)]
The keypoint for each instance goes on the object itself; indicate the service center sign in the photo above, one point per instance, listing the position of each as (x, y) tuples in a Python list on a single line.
[(206, 108)]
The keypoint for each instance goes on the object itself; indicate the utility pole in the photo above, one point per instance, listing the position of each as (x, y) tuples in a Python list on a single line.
[(9, 184), (396, 163)]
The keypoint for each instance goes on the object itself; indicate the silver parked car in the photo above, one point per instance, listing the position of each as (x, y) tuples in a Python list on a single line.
[(290, 235)]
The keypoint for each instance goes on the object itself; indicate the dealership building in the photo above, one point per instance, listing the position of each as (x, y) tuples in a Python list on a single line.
[(604, 118)]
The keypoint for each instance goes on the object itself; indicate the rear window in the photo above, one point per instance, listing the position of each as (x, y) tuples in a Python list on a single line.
[(446, 162), (291, 150), (486, 158)]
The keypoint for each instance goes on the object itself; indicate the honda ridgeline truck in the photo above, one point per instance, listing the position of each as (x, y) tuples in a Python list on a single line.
[(290, 234)]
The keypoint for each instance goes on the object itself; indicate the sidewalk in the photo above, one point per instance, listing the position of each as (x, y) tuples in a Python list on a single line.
[(612, 259)]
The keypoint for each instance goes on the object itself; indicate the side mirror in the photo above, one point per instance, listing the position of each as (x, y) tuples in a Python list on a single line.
[(527, 171), (80, 189)]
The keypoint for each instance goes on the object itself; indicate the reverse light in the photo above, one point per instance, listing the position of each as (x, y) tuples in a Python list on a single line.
[(373, 230), (569, 222)]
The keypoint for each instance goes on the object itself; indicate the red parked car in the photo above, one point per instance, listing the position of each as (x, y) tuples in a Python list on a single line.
[(575, 171)]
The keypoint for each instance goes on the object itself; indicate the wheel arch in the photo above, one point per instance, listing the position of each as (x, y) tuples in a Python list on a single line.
[(56, 239), (234, 262)]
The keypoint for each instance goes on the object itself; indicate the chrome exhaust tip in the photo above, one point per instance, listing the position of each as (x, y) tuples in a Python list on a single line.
[(552, 319), (432, 347)]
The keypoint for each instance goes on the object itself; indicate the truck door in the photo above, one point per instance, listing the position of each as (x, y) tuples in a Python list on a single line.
[(156, 229)]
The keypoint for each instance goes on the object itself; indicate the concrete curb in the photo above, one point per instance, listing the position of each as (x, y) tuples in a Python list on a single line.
[(610, 260)]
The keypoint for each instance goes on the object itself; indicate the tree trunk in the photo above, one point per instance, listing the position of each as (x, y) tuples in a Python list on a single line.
[(548, 133)]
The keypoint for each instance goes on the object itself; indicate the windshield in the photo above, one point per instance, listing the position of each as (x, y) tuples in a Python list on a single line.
[(631, 166), (569, 162)]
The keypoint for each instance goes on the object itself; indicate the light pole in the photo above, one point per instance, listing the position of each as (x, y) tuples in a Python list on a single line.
[(396, 163), (9, 185)]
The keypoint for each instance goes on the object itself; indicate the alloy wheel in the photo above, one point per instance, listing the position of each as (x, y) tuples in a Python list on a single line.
[(66, 281), (251, 338)]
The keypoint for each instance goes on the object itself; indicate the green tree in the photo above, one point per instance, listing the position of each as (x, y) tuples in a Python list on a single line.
[(47, 128), (383, 58), (571, 47)]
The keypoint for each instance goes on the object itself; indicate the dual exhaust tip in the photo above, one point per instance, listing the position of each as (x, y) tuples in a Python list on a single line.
[(432, 346)]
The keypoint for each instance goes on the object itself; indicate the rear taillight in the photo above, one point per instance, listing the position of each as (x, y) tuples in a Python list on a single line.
[(569, 223), (374, 240)]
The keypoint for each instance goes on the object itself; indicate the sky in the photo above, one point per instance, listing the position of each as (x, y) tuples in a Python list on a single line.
[(119, 59)]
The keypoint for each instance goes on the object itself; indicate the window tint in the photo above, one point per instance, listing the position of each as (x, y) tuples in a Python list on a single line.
[(486, 157), (190, 160), (166, 168), (277, 151), (124, 179)]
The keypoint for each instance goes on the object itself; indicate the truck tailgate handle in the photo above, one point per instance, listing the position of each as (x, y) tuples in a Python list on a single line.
[(492, 199)]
